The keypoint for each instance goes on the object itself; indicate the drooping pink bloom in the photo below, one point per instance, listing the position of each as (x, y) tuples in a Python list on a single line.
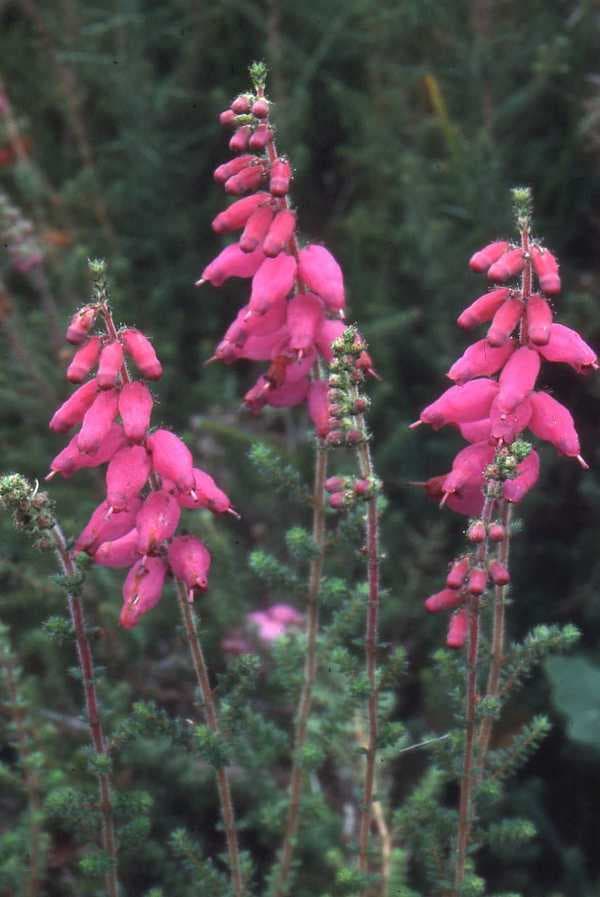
[(289, 394), (81, 323), (172, 459), (546, 268), (263, 347), (280, 233), (256, 228), (483, 308), (97, 421), (71, 412), (476, 430), (468, 500), (142, 589), (240, 138), (235, 216), (457, 629), (232, 262), (496, 532), (72, 459), (208, 495), (126, 476), (320, 272), (554, 423), (104, 527), (135, 408), (477, 581), (539, 320), (499, 574), (281, 174), (122, 552), (318, 406), (456, 574), (261, 137), (477, 532), (84, 360), (481, 261), (507, 425), (305, 313), (157, 520), (272, 282), (109, 367), (227, 117), (327, 332), (504, 322), (528, 473), (508, 265), (567, 346), (447, 599), (248, 179), (241, 105), (480, 360), (142, 351), (260, 108), (189, 560), (518, 378), (468, 465), (223, 172), (468, 402)]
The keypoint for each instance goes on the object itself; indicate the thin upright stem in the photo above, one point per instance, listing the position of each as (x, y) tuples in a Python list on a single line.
[(212, 721), (86, 665), (310, 672)]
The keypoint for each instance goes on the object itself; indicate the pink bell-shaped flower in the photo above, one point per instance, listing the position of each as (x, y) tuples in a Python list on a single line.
[(320, 272), (84, 360), (480, 261), (480, 360), (142, 351), (122, 552), (190, 560), (483, 308), (104, 526), (126, 476), (97, 421), (109, 367), (135, 408), (272, 282), (172, 459), (71, 412), (142, 589), (156, 521)]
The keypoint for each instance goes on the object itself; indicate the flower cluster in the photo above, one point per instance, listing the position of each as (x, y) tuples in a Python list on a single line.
[(263, 626), (297, 298), (150, 474), (494, 400)]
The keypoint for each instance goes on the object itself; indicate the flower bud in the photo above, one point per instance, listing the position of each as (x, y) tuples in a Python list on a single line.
[(476, 531), (505, 320), (232, 262), (281, 174), (142, 589), (81, 324), (508, 265), (156, 521), (566, 345), (246, 181), (239, 141), (457, 573), (189, 560), (499, 574), (261, 136), (260, 108), (539, 320), (457, 629), (483, 308), (480, 360), (458, 404), (135, 408), (320, 272), (223, 172), (553, 422), (477, 581), (104, 527), (280, 233), (305, 313), (481, 261), (335, 437), (447, 599), (208, 495), (272, 282), (335, 484), (120, 552), (111, 362), (256, 228), (338, 500), (172, 459), (126, 476), (518, 378), (71, 412), (496, 532), (227, 117), (362, 488), (241, 105), (97, 421), (318, 407), (84, 360), (142, 351), (237, 214), (546, 268)]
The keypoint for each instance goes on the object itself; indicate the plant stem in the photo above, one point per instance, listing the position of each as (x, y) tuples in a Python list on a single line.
[(212, 721), (86, 665), (498, 633), (310, 672), (372, 533)]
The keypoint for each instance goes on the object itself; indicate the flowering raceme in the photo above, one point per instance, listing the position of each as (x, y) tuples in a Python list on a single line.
[(150, 475)]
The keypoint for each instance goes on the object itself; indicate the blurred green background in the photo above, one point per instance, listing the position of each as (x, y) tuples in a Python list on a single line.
[(407, 123)]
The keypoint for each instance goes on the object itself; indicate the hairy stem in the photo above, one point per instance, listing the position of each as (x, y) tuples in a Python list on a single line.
[(212, 721), (86, 665), (310, 672)]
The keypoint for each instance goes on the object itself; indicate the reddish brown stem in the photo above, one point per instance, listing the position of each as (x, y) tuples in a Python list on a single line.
[(86, 665), (310, 673), (212, 721)]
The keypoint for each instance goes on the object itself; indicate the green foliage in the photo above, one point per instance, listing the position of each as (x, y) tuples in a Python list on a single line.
[(575, 682)]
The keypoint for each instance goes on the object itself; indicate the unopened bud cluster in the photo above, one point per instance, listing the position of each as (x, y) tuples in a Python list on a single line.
[(150, 474), (346, 404), (32, 510)]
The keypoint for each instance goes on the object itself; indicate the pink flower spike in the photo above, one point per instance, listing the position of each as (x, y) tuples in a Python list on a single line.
[(126, 476), (318, 406), (476, 430), (208, 495), (539, 320), (305, 314), (468, 465), (481, 261), (327, 333), (135, 408), (234, 166), (232, 262), (142, 590), (281, 174), (84, 360), (172, 459), (256, 228), (447, 599), (104, 527), (320, 272), (504, 322), (553, 422), (280, 233), (235, 216), (457, 630), (272, 282), (248, 180), (71, 412), (109, 368), (468, 501), (480, 360), (97, 421), (461, 403), (528, 472), (506, 425), (567, 346), (508, 265), (518, 378), (142, 351), (120, 552), (190, 560), (457, 573), (81, 324), (263, 348), (483, 308), (156, 521), (546, 268)]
